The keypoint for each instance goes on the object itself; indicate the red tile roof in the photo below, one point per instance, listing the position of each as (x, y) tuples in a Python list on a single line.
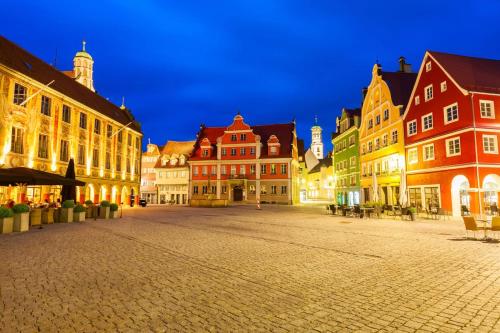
[(401, 85), (20, 60), (473, 74)]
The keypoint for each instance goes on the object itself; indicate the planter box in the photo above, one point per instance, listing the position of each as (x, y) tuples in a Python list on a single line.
[(36, 216), (66, 215), (21, 222), (48, 215), (114, 214), (89, 212), (57, 215), (6, 225), (104, 212), (79, 217)]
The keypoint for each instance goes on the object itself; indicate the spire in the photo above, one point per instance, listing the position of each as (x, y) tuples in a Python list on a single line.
[(316, 120), (149, 141), (83, 45), (123, 103)]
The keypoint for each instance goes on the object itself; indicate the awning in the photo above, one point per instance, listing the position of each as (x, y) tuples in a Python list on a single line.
[(15, 176)]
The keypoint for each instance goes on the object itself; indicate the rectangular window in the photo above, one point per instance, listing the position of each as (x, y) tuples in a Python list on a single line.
[(273, 169), (95, 158), (81, 154), (453, 147), (213, 189), (243, 151), (234, 137), (223, 189), (195, 171), (43, 146), (233, 170), (83, 120), (370, 146), (233, 151), (487, 109), (108, 160), (242, 170), (17, 141), (97, 126), (353, 161), (263, 189), (252, 151), (45, 106), (273, 189), (204, 170), (417, 100), (443, 86), (427, 123), (243, 137), (377, 120), (352, 140), (214, 170), (223, 170), (384, 140), (195, 189), (411, 127), (205, 152), (490, 144), (129, 139), (394, 135), (109, 131), (428, 66), (283, 189), (377, 143), (120, 136), (64, 152), (137, 143), (118, 163), (204, 189), (450, 113), (263, 169), (252, 169), (370, 123), (429, 93), (412, 156), (428, 152), (283, 169), (66, 114), (223, 151), (20, 94), (252, 189)]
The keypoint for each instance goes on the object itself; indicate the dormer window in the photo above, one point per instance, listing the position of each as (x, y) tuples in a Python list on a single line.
[(205, 153), (164, 161), (182, 160), (274, 150), (234, 137), (243, 137)]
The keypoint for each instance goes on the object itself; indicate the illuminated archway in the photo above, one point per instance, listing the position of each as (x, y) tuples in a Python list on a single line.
[(491, 187), (89, 192), (459, 194), (113, 194)]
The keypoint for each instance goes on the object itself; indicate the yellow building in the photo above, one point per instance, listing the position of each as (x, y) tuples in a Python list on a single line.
[(320, 184), (48, 117), (381, 133)]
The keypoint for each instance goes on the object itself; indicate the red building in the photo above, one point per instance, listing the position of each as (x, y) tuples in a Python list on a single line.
[(245, 163), (452, 129)]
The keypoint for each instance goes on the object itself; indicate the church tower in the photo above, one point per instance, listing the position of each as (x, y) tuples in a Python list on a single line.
[(83, 68), (316, 140)]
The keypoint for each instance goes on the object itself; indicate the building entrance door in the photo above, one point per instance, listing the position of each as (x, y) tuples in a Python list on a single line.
[(237, 193)]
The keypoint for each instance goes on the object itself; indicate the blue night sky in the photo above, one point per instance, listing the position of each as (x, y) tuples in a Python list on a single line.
[(183, 63)]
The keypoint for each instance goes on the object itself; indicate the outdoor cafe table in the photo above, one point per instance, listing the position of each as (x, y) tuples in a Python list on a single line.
[(366, 211)]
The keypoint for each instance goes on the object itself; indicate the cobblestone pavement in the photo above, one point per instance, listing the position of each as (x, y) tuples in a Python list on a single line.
[(281, 269)]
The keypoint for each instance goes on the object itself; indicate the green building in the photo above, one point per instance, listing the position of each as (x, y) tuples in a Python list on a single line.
[(346, 157)]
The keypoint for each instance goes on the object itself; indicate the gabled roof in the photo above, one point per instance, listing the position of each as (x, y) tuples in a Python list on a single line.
[(472, 74), (178, 147), (20, 60), (151, 150), (401, 85)]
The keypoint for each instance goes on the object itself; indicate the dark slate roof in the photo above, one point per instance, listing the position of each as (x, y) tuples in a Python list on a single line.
[(300, 148), (20, 60), (353, 112), (401, 85), (473, 74), (325, 162), (284, 133)]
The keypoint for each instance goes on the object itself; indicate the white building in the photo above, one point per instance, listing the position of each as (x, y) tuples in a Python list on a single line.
[(317, 140)]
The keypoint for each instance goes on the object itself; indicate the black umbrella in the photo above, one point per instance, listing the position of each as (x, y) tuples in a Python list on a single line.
[(68, 192)]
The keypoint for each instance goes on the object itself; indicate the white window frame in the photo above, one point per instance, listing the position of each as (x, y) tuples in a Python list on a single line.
[(425, 92), (424, 157), (423, 121), (495, 140), (408, 125), (492, 104), (448, 154), (428, 66), (417, 100), (444, 86), (445, 113), (412, 152)]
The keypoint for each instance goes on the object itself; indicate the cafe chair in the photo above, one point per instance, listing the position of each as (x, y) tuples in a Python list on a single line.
[(471, 225), (495, 224)]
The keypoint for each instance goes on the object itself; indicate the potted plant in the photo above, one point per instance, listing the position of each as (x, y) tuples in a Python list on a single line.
[(113, 208), (104, 209), (36, 216), (79, 213), (6, 220), (21, 217), (90, 208), (66, 215), (412, 212)]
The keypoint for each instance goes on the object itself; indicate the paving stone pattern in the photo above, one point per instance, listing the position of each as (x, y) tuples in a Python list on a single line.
[(281, 269)]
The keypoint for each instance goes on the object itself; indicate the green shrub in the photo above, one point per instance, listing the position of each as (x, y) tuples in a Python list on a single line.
[(6, 212), (412, 210), (21, 208), (89, 203), (113, 207), (78, 209), (68, 204), (105, 203)]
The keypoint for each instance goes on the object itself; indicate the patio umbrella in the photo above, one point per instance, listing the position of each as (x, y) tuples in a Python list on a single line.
[(403, 198), (68, 192), (375, 187), (27, 176)]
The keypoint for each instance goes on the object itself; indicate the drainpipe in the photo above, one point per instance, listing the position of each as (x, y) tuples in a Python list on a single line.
[(475, 151)]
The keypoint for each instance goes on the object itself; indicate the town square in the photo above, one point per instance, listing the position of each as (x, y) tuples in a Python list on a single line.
[(260, 166)]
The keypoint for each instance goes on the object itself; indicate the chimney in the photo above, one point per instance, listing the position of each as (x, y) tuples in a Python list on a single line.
[(403, 66)]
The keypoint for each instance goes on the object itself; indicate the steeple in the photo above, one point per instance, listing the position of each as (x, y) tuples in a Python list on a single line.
[(83, 67), (123, 107), (317, 140)]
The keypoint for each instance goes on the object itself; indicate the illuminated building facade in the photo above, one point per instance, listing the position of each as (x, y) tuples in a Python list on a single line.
[(148, 190), (452, 130), (346, 157), (48, 117), (381, 133), (243, 163)]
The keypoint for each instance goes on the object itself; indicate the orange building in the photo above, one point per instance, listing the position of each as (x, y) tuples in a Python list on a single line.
[(243, 163)]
